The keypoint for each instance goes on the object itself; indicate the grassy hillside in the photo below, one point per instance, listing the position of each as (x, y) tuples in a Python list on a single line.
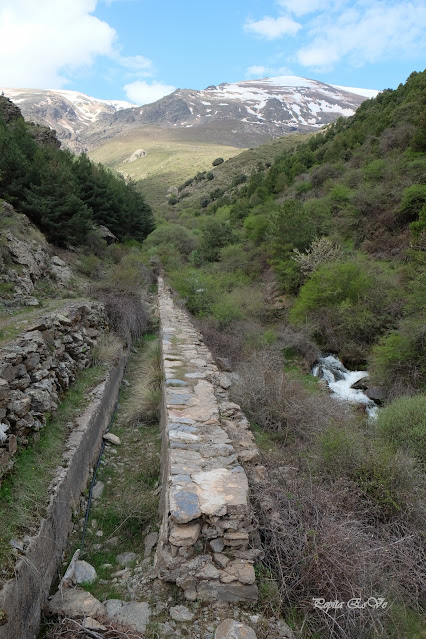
[(234, 171), (168, 162)]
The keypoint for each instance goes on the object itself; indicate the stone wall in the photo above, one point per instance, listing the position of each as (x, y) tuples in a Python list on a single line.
[(37, 367), (23, 597), (208, 543)]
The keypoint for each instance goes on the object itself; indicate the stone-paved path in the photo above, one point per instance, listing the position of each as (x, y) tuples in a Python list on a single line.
[(207, 542)]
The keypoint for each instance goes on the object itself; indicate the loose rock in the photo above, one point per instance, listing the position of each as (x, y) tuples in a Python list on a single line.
[(112, 439), (84, 572), (181, 613), (230, 629), (76, 603)]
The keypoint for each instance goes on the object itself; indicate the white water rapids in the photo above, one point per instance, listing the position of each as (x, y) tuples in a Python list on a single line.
[(340, 381)]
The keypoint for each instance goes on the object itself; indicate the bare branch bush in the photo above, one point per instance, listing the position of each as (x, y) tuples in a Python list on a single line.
[(320, 251), (278, 403), (318, 543), (67, 628), (340, 516), (127, 312)]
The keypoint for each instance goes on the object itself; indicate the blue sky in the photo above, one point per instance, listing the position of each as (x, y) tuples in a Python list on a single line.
[(139, 50)]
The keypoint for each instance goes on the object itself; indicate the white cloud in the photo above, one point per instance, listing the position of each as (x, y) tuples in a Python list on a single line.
[(366, 33), (271, 28), (260, 71), (302, 7), (142, 92), (136, 65), (43, 41)]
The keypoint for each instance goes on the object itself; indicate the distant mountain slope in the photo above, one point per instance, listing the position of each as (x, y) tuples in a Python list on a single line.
[(241, 114), (70, 113)]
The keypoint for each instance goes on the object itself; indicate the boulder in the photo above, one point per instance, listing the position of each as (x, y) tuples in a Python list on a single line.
[(126, 558), (181, 613), (107, 235), (376, 393), (76, 603), (84, 572), (361, 384), (224, 364), (60, 271), (150, 541), (133, 614), (98, 489), (92, 624)]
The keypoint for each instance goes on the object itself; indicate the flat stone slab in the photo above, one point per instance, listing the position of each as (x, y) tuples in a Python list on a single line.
[(176, 382), (184, 504), (221, 488), (185, 462)]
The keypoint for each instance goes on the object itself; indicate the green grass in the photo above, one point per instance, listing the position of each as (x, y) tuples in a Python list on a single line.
[(242, 163), (23, 495), (169, 161)]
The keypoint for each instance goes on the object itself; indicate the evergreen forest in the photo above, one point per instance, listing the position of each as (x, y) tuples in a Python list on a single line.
[(64, 195)]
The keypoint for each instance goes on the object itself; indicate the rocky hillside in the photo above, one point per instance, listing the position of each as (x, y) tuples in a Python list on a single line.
[(241, 114), (247, 113), (69, 113)]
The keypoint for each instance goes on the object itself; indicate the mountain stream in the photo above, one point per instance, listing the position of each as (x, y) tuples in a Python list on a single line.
[(340, 381)]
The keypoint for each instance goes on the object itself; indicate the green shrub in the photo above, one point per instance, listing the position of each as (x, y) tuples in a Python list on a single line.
[(386, 478), (256, 228), (399, 359), (418, 230), (225, 311), (340, 194), (413, 200), (375, 170), (303, 187), (90, 265), (175, 235), (333, 284), (348, 304), (340, 451), (403, 425)]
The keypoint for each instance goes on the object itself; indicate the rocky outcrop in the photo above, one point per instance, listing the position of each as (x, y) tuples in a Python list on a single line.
[(25, 258), (207, 541), (38, 367), (44, 136), (8, 111), (106, 234), (139, 153)]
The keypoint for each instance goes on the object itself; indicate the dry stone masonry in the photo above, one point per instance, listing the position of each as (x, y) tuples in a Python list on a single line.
[(208, 544), (37, 367)]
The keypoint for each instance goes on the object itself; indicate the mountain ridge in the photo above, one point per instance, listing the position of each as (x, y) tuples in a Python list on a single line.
[(240, 114)]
